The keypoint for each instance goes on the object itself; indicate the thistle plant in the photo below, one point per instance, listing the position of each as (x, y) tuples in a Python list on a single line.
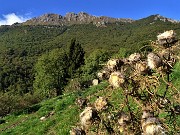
[(146, 81)]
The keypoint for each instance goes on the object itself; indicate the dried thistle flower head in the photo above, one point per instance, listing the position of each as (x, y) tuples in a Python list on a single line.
[(123, 118), (134, 57), (77, 131), (167, 37), (114, 64), (147, 114), (116, 79), (104, 74), (81, 102), (154, 61), (123, 121), (141, 68), (152, 126), (100, 75), (87, 117), (101, 104)]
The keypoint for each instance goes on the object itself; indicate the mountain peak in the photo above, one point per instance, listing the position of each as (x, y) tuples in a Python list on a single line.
[(164, 19), (48, 18), (73, 18)]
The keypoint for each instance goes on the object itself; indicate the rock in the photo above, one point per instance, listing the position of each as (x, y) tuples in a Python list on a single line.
[(73, 18), (43, 118), (164, 19)]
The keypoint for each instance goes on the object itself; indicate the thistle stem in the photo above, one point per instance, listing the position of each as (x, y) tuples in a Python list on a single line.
[(168, 70)]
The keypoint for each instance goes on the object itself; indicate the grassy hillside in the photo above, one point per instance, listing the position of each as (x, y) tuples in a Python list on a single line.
[(66, 114)]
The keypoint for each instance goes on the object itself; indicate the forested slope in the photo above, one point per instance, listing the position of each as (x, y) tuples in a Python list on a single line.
[(21, 45)]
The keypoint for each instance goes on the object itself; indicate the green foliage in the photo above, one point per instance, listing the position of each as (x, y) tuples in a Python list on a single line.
[(75, 57), (175, 75), (10, 103), (21, 46), (121, 53), (94, 62), (51, 73)]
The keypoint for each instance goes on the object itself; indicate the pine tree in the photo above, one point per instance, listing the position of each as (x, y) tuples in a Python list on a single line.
[(75, 57)]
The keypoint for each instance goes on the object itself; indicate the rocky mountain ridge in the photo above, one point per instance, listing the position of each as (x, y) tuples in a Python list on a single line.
[(73, 18), (85, 18), (165, 19)]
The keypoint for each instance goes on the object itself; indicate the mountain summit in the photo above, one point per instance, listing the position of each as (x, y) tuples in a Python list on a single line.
[(164, 19), (73, 18)]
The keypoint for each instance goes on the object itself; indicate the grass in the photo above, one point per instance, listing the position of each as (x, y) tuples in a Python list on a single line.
[(66, 112), (65, 117)]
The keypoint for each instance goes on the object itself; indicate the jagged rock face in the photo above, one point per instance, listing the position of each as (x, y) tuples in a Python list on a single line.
[(79, 18), (73, 18), (164, 19), (46, 19)]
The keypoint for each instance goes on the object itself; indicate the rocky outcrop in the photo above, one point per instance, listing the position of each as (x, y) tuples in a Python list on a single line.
[(46, 19), (164, 19), (73, 18)]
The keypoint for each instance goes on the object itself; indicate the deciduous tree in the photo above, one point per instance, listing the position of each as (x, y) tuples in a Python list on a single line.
[(51, 72)]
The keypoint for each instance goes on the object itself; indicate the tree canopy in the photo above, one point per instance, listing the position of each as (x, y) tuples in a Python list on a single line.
[(75, 57), (51, 73)]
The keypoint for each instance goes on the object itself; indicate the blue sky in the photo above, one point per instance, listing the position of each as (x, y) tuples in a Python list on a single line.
[(21, 10)]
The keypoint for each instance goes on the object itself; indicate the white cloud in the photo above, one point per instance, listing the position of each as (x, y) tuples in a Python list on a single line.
[(12, 18)]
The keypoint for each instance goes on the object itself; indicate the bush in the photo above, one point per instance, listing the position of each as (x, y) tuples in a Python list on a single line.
[(10, 103), (95, 62)]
